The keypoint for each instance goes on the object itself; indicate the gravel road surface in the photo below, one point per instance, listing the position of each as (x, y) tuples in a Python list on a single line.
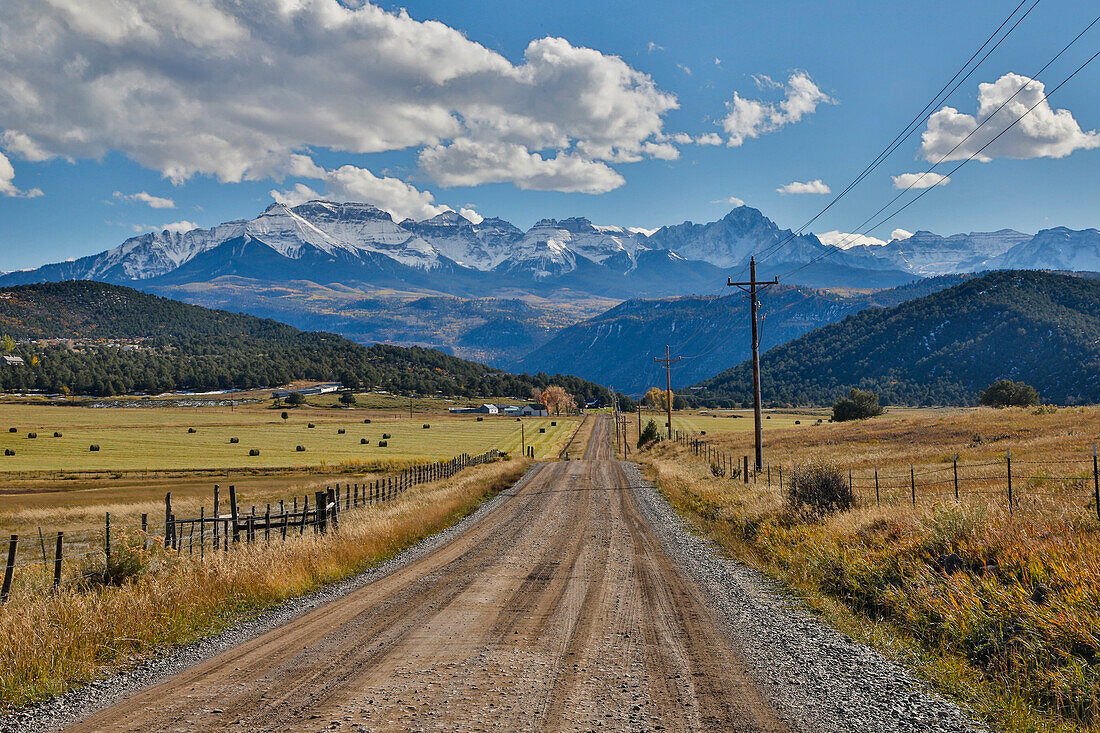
[(578, 601)]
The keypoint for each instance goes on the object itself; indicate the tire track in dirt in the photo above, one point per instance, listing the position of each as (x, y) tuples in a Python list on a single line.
[(557, 611)]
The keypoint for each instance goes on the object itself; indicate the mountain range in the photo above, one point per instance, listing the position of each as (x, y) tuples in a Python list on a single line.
[(1042, 328), (490, 290)]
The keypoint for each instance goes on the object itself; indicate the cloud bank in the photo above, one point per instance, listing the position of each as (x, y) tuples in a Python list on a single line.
[(235, 89), (750, 118), (796, 187)]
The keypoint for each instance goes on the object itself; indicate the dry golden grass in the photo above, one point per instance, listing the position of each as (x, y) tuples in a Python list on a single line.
[(50, 642), (1014, 632)]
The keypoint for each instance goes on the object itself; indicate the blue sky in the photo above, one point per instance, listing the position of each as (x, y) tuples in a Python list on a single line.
[(103, 119)]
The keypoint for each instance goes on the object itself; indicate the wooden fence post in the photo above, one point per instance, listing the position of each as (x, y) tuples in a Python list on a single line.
[(144, 531), (202, 532), (320, 497), (913, 483), (1008, 464), (1095, 481), (9, 568), (851, 491), (955, 468), (746, 469), (233, 513), (57, 555), (167, 519), (107, 538), (217, 513), (877, 499), (267, 524)]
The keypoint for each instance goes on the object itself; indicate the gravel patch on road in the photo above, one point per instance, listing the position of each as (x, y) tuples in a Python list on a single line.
[(80, 702), (817, 678)]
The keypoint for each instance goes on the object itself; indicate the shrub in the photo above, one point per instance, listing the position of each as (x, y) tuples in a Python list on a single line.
[(347, 399), (191, 430), (294, 399), (817, 489), (301, 449), (284, 416), (253, 451), (650, 434), (94, 447), (234, 440), (1006, 393), (57, 435), (382, 444), (32, 435), (128, 562), (858, 405)]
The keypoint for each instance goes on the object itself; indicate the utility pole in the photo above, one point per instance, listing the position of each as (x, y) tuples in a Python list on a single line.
[(667, 361), (752, 287)]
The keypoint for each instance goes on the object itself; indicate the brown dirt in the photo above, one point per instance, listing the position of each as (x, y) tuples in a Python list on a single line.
[(557, 611)]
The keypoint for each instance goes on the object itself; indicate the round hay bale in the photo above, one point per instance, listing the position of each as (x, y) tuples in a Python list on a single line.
[(192, 430), (797, 422), (553, 423), (426, 426), (234, 440), (340, 431), (386, 436), (362, 441), (57, 435), (542, 430), (382, 444), (9, 452), (301, 449), (366, 421), (702, 432), (94, 447), (253, 451), (767, 417), (310, 425), (13, 430), (480, 419), (32, 435)]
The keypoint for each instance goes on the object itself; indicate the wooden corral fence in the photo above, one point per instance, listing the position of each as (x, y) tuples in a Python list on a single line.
[(226, 525), (1050, 483)]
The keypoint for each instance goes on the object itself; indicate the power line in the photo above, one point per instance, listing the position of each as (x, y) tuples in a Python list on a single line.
[(937, 99), (969, 158)]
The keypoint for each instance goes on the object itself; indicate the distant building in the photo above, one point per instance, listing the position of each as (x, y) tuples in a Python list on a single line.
[(534, 410), (485, 409), (316, 389), (14, 361)]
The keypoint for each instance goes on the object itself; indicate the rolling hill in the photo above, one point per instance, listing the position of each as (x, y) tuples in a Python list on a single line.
[(617, 347), (1039, 327), (86, 337)]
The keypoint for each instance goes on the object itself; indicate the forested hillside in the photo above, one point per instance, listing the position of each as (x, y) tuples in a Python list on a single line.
[(1037, 327), (128, 341)]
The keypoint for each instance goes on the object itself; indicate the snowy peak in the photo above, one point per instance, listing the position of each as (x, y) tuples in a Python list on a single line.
[(1054, 249)]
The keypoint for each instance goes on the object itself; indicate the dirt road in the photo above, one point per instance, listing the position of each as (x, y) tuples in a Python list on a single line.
[(557, 611)]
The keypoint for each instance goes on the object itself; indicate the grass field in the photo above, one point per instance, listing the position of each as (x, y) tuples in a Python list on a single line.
[(58, 484), (1001, 611)]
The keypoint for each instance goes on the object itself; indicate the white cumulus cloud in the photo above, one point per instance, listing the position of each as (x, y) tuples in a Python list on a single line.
[(900, 234), (844, 240), (814, 186), (235, 88), (749, 118), (926, 179), (471, 215), (730, 201), (7, 181), (155, 202), (469, 163), (1043, 133), (176, 227)]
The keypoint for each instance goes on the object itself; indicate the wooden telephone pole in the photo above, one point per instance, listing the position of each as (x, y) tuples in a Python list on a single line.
[(667, 361), (752, 287)]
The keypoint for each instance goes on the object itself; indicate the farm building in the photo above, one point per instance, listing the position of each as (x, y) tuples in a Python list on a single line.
[(13, 361), (315, 389), (485, 409)]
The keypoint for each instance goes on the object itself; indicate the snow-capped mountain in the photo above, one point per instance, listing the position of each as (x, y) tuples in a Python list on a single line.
[(1054, 249), (343, 243), (927, 254)]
